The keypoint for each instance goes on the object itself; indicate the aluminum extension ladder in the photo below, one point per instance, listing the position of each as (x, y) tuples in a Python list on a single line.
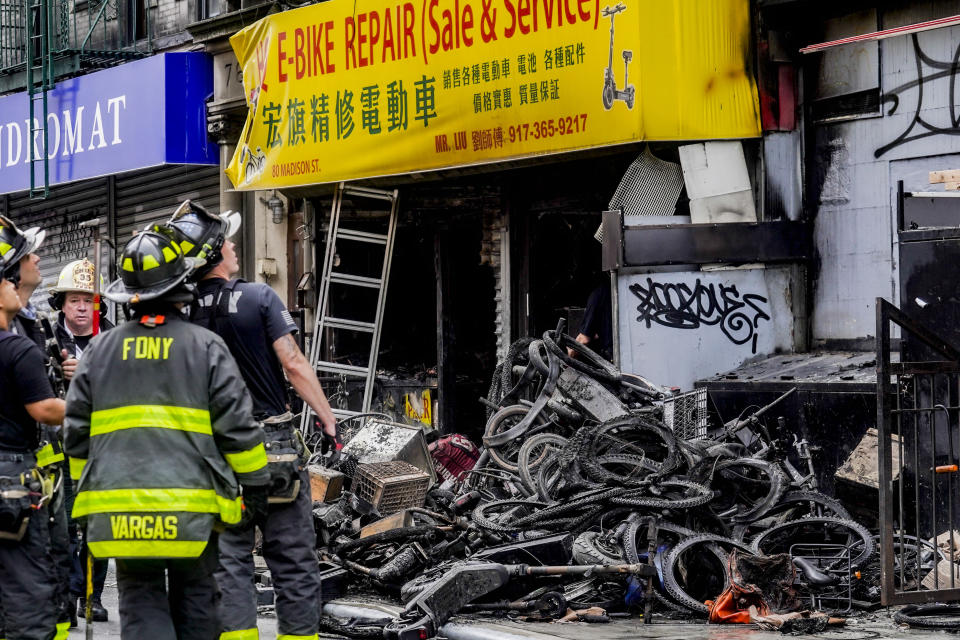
[(335, 235)]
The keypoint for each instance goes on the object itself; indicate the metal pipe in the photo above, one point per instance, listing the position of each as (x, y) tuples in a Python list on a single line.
[(886, 33)]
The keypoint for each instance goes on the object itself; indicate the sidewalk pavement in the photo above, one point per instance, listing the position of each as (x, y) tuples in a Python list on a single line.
[(111, 629), (865, 626)]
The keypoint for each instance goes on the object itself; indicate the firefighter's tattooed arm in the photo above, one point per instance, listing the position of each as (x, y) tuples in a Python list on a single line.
[(304, 381)]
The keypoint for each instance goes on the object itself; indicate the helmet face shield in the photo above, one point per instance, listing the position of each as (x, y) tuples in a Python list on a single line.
[(199, 233)]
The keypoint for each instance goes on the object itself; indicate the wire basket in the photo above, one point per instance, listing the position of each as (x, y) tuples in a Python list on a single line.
[(686, 414), (834, 560), (391, 486)]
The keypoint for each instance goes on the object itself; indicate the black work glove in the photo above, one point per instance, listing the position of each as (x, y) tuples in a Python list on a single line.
[(330, 446), (254, 506)]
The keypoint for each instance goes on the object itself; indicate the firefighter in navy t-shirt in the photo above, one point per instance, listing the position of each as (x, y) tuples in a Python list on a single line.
[(28, 574)]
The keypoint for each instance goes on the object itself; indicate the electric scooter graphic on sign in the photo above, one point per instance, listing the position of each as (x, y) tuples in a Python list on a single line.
[(610, 91)]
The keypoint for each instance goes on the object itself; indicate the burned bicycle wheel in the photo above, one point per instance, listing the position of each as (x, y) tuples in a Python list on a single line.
[(695, 570), (673, 494), (626, 450), (937, 615), (534, 452), (505, 455), (746, 488), (499, 516), (794, 505), (850, 535)]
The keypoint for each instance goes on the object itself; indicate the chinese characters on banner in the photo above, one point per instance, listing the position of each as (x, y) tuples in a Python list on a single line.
[(338, 91)]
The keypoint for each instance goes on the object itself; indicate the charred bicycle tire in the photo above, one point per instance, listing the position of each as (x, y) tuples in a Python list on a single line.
[(588, 362), (714, 546), (937, 615), (505, 455), (702, 496), (715, 473), (791, 505), (483, 519), (612, 437), (777, 539), (526, 466), (593, 548)]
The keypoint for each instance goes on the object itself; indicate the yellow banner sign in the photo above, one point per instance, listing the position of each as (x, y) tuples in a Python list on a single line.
[(343, 90)]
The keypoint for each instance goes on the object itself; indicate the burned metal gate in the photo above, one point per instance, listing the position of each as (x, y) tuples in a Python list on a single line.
[(918, 420)]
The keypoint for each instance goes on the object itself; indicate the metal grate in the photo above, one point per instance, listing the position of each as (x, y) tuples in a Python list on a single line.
[(686, 414), (833, 560), (918, 415), (391, 486)]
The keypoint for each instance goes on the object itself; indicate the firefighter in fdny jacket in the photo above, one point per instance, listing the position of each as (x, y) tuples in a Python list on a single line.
[(159, 432), (257, 328)]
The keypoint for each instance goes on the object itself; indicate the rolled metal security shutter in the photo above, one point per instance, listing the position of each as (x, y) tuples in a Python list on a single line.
[(151, 196), (60, 215)]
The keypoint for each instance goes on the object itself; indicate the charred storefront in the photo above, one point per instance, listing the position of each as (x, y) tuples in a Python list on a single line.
[(478, 260), (501, 166)]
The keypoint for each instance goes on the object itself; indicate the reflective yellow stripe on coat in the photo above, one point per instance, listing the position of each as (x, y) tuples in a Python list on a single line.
[(154, 500), (47, 455), (249, 460), (76, 467), (147, 548), (150, 416)]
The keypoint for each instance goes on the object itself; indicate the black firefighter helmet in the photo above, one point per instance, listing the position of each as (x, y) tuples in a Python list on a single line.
[(200, 233), (14, 244), (151, 266)]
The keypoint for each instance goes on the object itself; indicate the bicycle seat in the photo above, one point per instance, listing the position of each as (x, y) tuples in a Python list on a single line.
[(813, 576), (627, 56)]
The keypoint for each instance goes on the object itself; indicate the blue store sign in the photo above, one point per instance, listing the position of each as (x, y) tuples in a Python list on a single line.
[(138, 115)]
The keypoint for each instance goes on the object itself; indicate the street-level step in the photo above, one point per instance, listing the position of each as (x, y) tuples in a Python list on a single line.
[(344, 323), (345, 369), (361, 236), (359, 281)]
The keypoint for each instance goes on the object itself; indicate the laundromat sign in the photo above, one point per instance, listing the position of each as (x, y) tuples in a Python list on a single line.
[(137, 115), (343, 90)]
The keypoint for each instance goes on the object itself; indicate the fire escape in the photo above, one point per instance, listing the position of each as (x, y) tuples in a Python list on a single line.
[(43, 41)]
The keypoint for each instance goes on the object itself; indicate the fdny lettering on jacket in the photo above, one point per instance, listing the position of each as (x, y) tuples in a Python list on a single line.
[(147, 348), (144, 527)]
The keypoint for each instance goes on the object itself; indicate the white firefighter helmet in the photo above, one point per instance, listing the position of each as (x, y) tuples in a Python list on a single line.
[(76, 277)]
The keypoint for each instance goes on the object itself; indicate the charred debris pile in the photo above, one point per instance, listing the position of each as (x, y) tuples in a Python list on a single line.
[(595, 494)]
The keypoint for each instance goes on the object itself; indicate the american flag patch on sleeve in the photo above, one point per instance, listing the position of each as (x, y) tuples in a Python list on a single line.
[(288, 318)]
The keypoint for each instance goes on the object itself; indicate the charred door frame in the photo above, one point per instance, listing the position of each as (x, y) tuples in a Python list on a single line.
[(891, 407)]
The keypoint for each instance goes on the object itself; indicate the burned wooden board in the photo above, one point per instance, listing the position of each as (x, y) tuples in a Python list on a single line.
[(939, 578), (862, 467)]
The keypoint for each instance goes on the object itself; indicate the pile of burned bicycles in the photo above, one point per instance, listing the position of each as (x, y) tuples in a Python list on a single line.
[(585, 505)]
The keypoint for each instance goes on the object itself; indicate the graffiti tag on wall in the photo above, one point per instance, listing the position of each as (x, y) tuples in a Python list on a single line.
[(75, 241), (944, 71), (680, 306)]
